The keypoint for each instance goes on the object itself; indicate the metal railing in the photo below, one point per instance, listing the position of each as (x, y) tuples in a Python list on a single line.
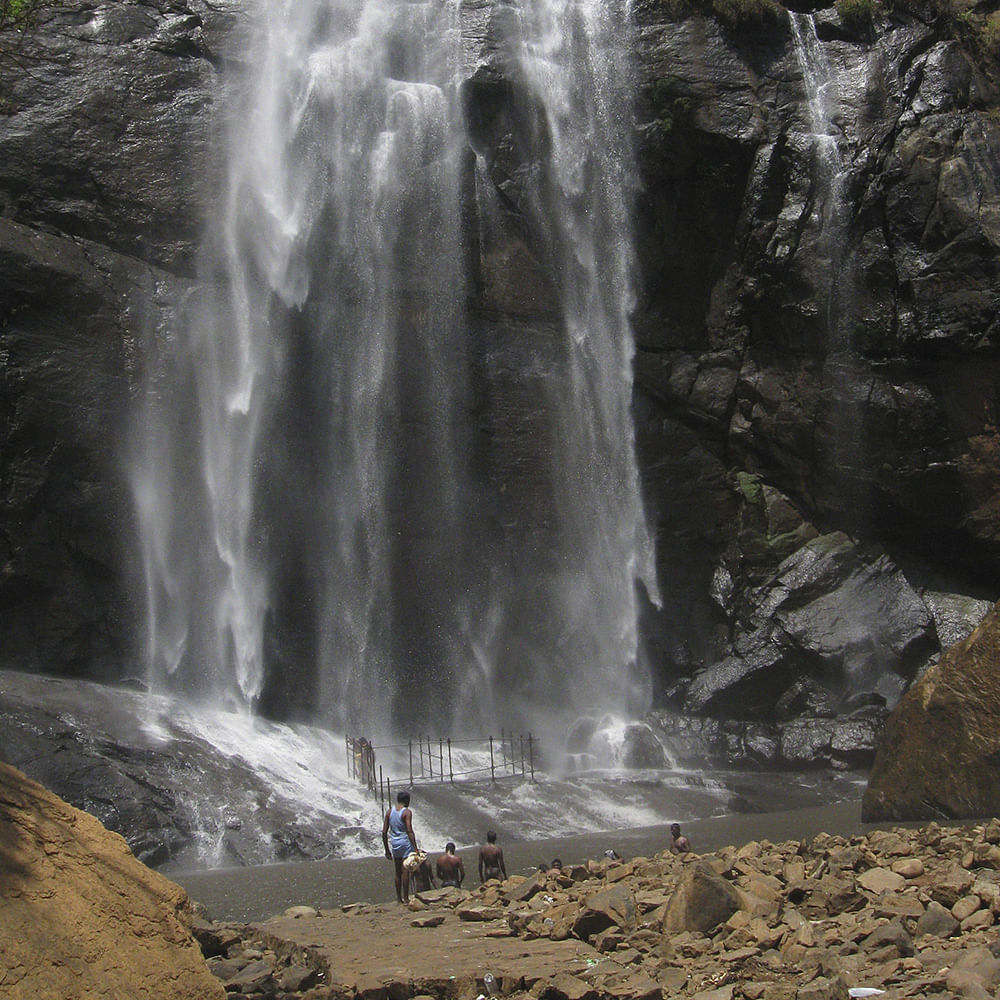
[(512, 755)]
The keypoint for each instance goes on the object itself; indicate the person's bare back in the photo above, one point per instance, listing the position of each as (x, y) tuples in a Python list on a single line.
[(450, 869), (679, 844), (491, 859)]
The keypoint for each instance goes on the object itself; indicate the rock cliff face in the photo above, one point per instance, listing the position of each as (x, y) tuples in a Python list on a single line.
[(82, 917), (817, 371)]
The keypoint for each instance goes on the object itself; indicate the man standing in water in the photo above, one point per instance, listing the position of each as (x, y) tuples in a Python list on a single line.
[(450, 869), (491, 859), (400, 841)]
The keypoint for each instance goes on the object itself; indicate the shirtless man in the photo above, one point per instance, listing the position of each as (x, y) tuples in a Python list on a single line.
[(678, 843), (450, 869), (491, 859)]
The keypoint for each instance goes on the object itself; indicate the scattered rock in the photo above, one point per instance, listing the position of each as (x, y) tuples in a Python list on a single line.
[(881, 880), (937, 920)]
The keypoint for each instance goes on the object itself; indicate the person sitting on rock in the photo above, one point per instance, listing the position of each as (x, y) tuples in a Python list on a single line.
[(423, 878), (679, 844), (491, 859), (450, 869)]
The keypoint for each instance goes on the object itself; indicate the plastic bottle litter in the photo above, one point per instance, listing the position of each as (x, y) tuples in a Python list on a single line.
[(491, 984), (864, 991)]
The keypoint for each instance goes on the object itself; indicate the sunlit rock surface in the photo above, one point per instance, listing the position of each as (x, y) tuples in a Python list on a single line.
[(83, 918), (939, 753)]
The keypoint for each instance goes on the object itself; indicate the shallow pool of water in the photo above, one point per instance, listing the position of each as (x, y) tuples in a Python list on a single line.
[(249, 894)]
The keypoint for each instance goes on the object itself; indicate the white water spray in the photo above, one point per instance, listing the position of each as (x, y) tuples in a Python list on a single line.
[(310, 490)]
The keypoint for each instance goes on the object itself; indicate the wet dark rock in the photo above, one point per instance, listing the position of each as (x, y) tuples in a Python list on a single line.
[(806, 696), (955, 615), (740, 684), (806, 741), (579, 734), (831, 629), (641, 748), (89, 744), (855, 738)]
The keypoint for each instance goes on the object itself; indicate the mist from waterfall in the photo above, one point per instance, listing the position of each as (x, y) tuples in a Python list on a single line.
[(312, 484)]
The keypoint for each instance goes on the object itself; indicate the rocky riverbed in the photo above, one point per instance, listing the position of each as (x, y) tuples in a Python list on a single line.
[(908, 912)]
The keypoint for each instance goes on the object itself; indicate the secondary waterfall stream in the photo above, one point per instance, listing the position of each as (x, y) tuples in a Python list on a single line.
[(830, 89), (325, 534)]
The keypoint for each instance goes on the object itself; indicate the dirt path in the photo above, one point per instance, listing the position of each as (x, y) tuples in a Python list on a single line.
[(371, 946)]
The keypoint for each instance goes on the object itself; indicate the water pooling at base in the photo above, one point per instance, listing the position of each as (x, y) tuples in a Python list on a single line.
[(322, 526)]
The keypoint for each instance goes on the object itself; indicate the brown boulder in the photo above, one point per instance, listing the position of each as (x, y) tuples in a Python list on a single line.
[(83, 918), (701, 901), (941, 746), (612, 907)]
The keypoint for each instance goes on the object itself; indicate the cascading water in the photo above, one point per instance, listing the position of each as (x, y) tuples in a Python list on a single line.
[(830, 90), (822, 103), (564, 623), (311, 487)]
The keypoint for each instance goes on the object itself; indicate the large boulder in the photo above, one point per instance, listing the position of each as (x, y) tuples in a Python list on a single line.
[(83, 918), (830, 608), (702, 900), (611, 907), (941, 746)]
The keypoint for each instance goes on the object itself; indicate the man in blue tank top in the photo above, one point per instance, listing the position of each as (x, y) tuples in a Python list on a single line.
[(400, 841)]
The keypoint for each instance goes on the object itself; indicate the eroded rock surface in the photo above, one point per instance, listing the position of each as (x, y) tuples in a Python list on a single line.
[(941, 745), (83, 918)]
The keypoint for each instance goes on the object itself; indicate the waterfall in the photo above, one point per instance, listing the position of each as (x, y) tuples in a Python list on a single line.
[(822, 105), (833, 89), (311, 484)]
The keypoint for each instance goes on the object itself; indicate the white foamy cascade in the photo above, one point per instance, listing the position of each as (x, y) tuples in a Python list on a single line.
[(308, 487), (573, 62)]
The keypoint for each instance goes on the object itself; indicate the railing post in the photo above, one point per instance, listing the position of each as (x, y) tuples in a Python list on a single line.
[(493, 769), (451, 773), (410, 743), (441, 758), (381, 799), (430, 760), (531, 755), (503, 747), (522, 754), (350, 756)]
